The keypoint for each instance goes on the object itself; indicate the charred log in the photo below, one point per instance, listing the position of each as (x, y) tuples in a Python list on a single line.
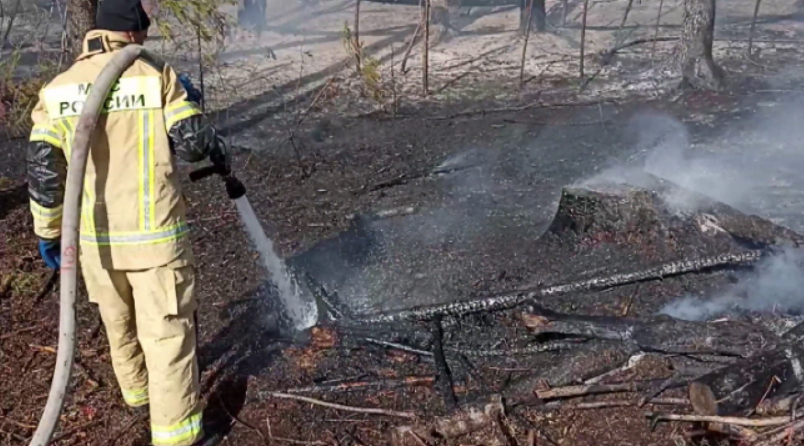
[(507, 301), (659, 334), (739, 388)]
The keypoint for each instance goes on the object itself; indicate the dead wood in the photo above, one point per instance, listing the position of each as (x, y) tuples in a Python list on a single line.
[(367, 410), (575, 391), (737, 421), (380, 384), (739, 388), (506, 301), (658, 334), (462, 423), (776, 406), (618, 403), (444, 381), (778, 437), (744, 433)]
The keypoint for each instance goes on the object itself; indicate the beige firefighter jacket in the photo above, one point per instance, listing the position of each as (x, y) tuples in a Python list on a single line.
[(132, 211)]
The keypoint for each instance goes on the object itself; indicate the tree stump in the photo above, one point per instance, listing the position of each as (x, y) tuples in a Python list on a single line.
[(698, 68), (613, 208)]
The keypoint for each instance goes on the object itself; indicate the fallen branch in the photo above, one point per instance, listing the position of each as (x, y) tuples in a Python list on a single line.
[(506, 301), (606, 404), (743, 433), (366, 410), (461, 423), (595, 389), (410, 381), (737, 421)]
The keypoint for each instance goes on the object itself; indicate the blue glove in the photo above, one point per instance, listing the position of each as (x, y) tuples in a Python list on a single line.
[(193, 94), (50, 250)]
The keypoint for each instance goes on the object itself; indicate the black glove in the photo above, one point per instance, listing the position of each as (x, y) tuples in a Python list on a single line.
[(219, 156)]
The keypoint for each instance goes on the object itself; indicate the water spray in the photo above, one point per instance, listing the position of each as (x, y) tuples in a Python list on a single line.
[(296, 314)]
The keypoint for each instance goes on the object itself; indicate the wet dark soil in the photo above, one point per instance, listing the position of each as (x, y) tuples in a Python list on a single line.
[(475, 231)]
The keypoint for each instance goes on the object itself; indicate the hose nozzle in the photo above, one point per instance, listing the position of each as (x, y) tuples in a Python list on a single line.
[(234, 187)]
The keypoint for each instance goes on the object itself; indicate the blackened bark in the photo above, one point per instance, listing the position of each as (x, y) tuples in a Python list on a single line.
[(80, 20), (740, 387), (698, 68)]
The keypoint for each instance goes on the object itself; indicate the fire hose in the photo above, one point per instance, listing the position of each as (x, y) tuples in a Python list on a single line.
[(69, 238)]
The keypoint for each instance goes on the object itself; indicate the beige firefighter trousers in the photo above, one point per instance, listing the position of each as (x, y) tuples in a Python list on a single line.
[(150, 322)]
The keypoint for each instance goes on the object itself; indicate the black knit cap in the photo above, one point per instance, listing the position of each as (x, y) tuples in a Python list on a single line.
[(121, 16)]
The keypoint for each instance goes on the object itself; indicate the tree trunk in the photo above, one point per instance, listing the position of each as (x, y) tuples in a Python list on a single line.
[(440, 27), (539, 15), (698, 69), (80, 20)]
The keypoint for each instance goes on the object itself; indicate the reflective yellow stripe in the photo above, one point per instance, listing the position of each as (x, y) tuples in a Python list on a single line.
[(182, 432), (135, 397), (46, 133), (179, 111), (147, 184), (136, 238), (151, 135), (42, 212)]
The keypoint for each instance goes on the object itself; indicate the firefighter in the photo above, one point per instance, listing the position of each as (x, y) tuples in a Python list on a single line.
[(135, 254)]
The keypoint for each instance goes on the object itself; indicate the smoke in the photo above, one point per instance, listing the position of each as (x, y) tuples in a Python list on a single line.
[(664, 146), (749, 158), (776, 285)]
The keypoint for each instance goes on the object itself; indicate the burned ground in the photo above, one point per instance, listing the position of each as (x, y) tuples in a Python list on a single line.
[(476, 230)]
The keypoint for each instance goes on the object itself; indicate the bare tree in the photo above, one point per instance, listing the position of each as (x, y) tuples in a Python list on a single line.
[(80, 19), (698, 68)]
